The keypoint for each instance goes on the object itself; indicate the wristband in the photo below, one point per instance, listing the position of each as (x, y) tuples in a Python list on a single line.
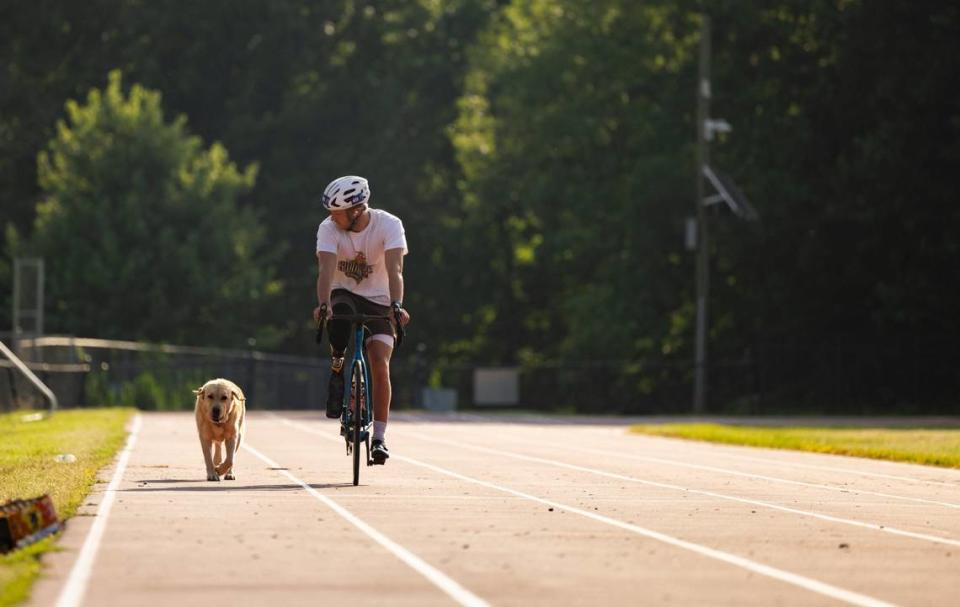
[(396, 304)]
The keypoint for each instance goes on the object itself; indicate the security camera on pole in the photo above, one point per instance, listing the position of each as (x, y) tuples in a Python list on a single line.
[(725, 191)]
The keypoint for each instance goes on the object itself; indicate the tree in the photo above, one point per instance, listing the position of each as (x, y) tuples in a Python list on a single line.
[(572, 136), (847, 138), (141, 231), (306, 90)]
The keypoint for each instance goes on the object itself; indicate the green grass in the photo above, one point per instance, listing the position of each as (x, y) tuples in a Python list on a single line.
[(936, 447), (28, 469)]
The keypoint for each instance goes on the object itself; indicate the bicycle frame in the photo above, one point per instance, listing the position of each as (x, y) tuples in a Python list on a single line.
[(355, 425), (365, 409)]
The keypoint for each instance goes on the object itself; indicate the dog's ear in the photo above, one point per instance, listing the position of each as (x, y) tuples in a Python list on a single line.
[(198, 391), (238, 397)]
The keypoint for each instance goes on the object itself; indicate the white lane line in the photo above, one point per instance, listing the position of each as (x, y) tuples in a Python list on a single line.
[(74, 590), (413, 496), (454, 590), (954, 484), (426, 498), (825, 517), (894, 477), (772, 462), (806, 583), (779, 462), (774, 479)]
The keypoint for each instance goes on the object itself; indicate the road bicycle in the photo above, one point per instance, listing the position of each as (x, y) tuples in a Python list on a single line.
[(356, 421)]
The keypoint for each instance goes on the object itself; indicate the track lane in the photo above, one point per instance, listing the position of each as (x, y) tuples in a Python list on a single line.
[(513, 472), (614, 442), (525, 552), (828, 496), (174, 538), (931, 568), (164, 541)]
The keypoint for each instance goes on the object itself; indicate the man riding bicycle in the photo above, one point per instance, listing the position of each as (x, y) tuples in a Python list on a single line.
[(360, 271)]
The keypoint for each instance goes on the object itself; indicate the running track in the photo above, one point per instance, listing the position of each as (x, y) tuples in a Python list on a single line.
[(475, 510)]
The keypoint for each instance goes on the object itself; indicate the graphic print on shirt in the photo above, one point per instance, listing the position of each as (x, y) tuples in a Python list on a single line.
[(358, 269)]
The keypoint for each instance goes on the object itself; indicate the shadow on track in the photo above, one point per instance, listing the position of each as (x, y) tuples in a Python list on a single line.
[(204, 485)]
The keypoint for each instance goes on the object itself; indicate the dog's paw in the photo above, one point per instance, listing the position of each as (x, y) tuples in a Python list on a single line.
[(230, 477), (224, 467), (213, 476)]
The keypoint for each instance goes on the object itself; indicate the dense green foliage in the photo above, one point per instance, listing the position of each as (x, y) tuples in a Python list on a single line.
[(570, 191), (574, 135), (307, 91), (541, 154), (141, 228)]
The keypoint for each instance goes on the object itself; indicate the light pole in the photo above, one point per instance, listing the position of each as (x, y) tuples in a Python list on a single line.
[(703, 254), (726, 191)]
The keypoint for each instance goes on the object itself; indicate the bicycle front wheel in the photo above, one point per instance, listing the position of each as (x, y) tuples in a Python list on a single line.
[(357, 386)]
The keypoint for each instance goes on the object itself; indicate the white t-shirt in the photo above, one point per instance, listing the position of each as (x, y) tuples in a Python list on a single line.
[(360, 264)]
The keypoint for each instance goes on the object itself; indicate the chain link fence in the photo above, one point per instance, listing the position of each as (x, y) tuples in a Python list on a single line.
[(907, 377), (95, 372)]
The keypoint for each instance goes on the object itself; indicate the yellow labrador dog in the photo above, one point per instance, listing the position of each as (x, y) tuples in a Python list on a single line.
[(220, 413)]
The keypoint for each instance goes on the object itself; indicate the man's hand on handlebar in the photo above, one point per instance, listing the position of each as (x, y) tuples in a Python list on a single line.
[(321, 313), (400, 319), (400, 315)]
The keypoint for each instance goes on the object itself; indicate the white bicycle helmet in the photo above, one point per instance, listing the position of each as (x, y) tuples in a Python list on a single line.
[(345, 192)]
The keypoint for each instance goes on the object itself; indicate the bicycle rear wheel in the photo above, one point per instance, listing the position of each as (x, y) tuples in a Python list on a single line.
[(357, 386)]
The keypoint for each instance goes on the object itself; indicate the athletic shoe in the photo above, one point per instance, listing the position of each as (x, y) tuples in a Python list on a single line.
[(378, 452), (335, 395)]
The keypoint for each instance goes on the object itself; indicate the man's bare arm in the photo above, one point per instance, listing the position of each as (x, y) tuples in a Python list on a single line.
[(326, 266), (394, 260)]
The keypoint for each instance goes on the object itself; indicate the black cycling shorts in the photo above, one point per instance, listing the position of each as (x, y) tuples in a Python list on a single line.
[(345, 302)]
